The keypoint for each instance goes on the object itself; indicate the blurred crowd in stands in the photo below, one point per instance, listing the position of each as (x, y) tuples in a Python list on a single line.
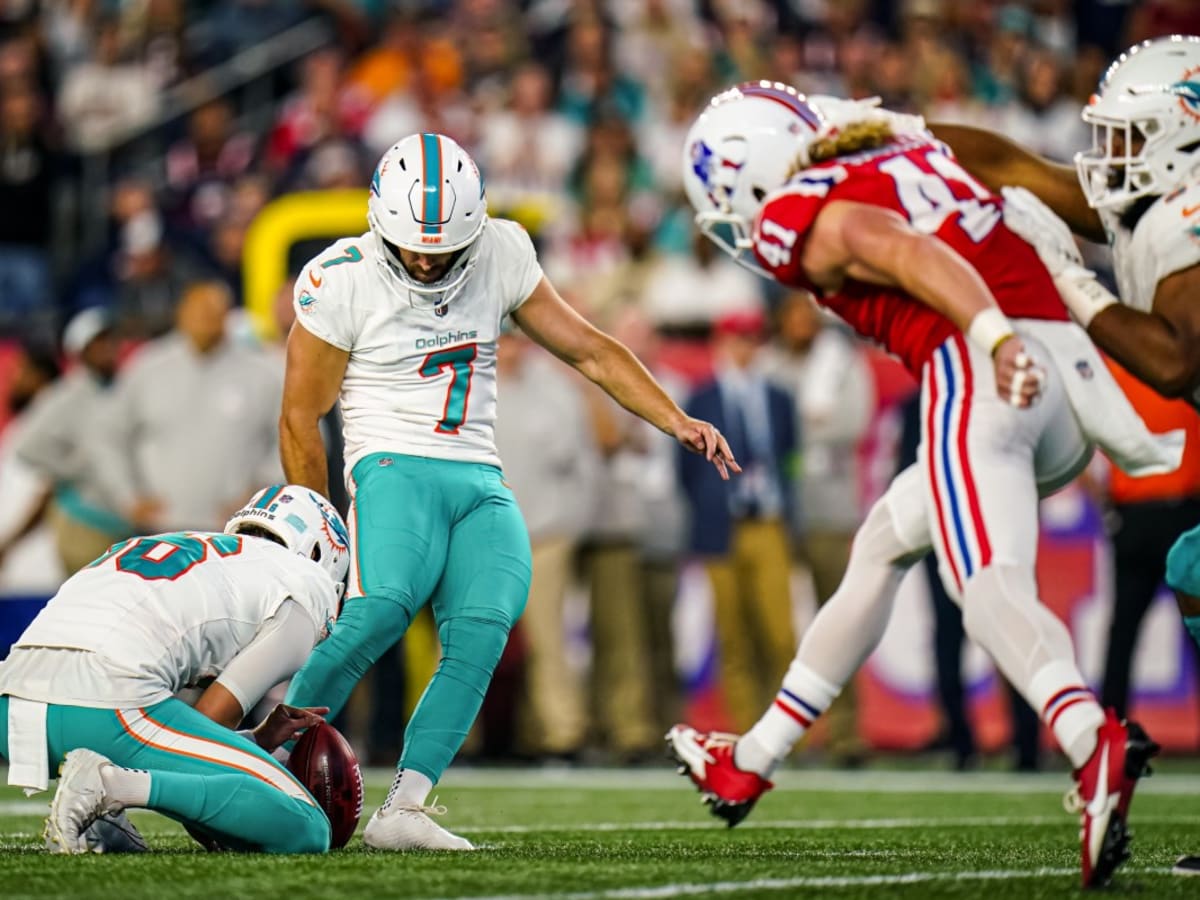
[(129, 178)]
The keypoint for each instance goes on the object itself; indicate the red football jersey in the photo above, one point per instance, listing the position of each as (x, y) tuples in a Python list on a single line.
[(919, 179)]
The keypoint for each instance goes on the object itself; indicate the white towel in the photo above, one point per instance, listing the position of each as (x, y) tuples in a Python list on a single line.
[(28, 756), (1103, 411)]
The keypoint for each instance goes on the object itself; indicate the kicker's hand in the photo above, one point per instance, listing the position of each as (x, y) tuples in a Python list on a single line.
[(1019, 379), (702, 437), (286, 722)]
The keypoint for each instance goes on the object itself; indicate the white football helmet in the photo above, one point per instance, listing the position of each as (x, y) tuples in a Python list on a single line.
[(427, 197), (740, 149), (1151, 94), (304, 521), (747, 142)]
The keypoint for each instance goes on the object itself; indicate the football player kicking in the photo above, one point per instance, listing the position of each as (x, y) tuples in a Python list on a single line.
[(1138, 189), (88, 686), (862, 207), (402, 323)]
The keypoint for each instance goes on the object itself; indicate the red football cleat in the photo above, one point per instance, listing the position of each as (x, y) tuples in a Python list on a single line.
[(707, 759), (1103, 792)]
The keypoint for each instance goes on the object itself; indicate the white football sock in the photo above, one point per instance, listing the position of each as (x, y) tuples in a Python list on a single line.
[(1057, 691), (128, 787), (1032, 648), (803, 697), (410, 788), (846, 629)]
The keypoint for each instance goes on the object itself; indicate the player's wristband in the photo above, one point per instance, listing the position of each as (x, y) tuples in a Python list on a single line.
[(1083, 294), (989, 329), (248, 734)]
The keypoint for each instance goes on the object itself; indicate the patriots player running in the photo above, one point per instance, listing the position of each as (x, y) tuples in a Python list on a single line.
[(402, 323), (89, 685), (865, 209), (1138, 189)]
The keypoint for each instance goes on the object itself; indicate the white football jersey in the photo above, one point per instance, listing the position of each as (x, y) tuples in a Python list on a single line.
[(160, 613), (417, 382), (1165, 240)]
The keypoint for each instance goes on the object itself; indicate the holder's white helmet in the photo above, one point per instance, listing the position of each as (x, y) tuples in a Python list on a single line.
[(304, 521), (427, 197), (1150, 99)]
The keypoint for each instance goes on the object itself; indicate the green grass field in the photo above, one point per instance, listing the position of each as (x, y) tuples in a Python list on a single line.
[(628, 835)]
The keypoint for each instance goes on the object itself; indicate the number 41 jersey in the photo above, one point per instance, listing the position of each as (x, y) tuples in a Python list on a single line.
[(419, 381), (918, 178)]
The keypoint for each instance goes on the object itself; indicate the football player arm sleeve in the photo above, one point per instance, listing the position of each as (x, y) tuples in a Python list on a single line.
[(278, 650), (1161, 347), (605, 361), (999, 162), (312, 380)]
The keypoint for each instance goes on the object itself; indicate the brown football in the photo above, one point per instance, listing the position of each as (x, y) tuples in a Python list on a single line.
[(325, 764)]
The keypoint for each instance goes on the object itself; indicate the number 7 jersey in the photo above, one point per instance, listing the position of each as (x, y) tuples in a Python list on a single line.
[(920, 179), (419, 381)]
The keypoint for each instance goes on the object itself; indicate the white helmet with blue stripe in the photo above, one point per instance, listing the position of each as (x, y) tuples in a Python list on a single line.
[(741, 148), (303, 521), (427, 197)]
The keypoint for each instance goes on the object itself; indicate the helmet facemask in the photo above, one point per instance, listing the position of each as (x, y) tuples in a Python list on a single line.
[(432, 295), (1117, 169)]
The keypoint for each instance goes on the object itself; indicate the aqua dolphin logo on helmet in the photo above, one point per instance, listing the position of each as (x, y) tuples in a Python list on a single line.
[(332, 526), (427, 197), (1188, 92)]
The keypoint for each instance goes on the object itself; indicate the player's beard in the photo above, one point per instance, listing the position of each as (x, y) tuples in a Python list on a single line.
[(1133, 213)]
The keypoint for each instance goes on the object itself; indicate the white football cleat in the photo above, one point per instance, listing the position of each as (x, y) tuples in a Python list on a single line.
[(400, 826), (78, 802)]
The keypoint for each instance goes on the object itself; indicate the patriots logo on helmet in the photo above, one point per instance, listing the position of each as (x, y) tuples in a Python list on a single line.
[(706, 163), (702, 162)]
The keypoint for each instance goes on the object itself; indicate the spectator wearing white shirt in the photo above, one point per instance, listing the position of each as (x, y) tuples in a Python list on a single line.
[(545, 443), (28, 556), (194, 422), (57, 437)]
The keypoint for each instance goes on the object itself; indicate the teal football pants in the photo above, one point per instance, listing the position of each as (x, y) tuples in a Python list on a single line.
[(1183, 574), (201, 773), (425, 530)]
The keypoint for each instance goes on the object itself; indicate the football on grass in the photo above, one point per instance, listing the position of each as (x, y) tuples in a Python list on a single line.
[(326, 765)]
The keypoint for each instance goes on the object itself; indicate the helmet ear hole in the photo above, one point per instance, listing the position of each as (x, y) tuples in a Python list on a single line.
[(758, 193), (315, 556)]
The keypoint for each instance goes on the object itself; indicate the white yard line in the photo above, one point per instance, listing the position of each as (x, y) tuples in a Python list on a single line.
[(36, 808), (791, 884), (1063, 820), (810, 780)]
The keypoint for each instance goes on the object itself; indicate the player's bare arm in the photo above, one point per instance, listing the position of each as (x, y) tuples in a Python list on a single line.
[(1161, 347), (314, 375), (999, 163), (876, 245), (548, 320)]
